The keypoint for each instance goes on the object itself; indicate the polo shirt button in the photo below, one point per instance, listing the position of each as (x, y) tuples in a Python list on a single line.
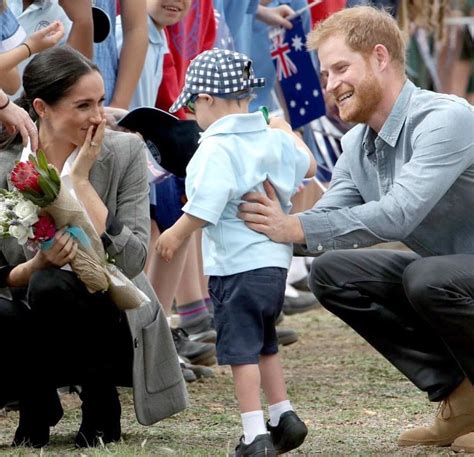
[(320, 248), (355, 245)]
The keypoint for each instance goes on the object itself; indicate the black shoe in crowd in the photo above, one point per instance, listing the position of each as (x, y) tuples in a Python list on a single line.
[(302, 284), (261, 446), (197, 353), (286, 336), (202, 330), (289, 434), (305, 301)]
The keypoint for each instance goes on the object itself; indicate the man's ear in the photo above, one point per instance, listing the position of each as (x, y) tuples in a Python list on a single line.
[(382, 56), (41, 108)]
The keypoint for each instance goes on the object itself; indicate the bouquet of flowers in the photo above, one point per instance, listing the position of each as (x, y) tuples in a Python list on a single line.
[(20, 219), (40, 185)]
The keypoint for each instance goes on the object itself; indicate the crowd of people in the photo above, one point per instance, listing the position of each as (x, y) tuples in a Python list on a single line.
[(215, 247)]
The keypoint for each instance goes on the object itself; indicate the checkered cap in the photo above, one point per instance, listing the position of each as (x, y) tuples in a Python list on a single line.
[(218, 72)]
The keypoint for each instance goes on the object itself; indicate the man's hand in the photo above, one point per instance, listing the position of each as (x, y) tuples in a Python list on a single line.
[(16, 119), (168, 243), (275, 17), (263, 214)]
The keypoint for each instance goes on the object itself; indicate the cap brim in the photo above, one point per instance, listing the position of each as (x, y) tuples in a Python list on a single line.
[(181, 101), (172, 142), (101, 24)]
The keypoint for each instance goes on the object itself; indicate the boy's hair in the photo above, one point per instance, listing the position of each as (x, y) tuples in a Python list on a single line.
[(363, 28)]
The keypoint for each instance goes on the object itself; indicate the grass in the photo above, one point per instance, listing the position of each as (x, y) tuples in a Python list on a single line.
[(353, 401)]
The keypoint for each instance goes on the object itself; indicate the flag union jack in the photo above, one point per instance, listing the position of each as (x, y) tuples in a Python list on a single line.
[(285, 67)]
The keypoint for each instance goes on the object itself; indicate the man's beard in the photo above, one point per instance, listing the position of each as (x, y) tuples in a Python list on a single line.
[(364, 101)]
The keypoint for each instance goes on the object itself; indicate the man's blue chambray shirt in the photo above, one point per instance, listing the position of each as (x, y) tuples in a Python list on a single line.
[(413, 182)]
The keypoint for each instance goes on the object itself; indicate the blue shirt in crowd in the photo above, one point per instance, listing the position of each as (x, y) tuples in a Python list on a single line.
[(413, 182), (11, 33), (237, 153), (152, 72)]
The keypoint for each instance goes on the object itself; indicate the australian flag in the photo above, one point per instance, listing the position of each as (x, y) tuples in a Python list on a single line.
[(297, 76)]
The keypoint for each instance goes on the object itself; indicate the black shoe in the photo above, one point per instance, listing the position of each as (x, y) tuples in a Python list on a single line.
[(289, 433), (39, 409), (34, 435), (302, 284), (305, 301), (202, 330), (286, 336), (261, 446), (197, 353), (188, 374), (101, 412)]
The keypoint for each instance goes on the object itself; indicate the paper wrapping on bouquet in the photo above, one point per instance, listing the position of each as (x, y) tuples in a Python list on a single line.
[(89, 264)]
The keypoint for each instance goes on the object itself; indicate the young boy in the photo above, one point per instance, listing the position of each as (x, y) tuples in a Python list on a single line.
[(238, 152)]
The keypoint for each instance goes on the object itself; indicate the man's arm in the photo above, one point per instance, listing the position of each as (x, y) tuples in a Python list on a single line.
[(263, 214), (132, 56), (82, 30)]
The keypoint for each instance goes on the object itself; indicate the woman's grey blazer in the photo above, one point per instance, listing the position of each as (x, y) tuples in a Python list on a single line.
[(119, 176)]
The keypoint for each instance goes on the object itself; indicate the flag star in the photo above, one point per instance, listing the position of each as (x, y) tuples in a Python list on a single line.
[(297, 43), (315, 93), (302, 111), (292, 103), (298, 86)]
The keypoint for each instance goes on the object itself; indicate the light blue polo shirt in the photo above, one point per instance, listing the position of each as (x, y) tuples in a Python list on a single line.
[(11, 33), (152, 72), (236, 155)]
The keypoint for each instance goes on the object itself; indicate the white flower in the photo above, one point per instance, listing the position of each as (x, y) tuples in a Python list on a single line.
[(21, 233), (27, 212)]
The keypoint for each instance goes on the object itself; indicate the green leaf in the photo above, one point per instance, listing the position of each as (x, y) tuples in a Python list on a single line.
[(49, 194), (42, 162)]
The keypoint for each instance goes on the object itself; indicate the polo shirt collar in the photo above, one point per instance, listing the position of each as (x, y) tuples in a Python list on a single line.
[(236, 123)]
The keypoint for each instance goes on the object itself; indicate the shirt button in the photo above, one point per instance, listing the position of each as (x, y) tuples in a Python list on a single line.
[(135, 342), (320, 247), (355, 245)]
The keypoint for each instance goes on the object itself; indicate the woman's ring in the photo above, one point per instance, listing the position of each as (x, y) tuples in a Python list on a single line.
[(94, 144)]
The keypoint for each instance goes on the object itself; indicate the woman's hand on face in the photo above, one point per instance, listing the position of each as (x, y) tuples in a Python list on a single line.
[(88, 153), (62, 252)]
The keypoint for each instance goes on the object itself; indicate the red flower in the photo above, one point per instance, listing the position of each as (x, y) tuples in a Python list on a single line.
[(44, 229), (25, 177)]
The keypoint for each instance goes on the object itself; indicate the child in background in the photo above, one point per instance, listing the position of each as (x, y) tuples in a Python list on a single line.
[(238, 153), (161, 13)]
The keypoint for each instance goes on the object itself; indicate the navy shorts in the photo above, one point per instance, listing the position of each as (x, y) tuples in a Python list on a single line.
[(246, 306), (169, 196)]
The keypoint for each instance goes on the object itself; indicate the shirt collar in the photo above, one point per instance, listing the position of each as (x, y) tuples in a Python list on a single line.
[(393, 125), (155, 36), (65, 172), (236, 123)]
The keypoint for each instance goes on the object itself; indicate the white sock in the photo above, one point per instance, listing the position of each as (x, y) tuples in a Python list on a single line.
[(297, 270), (253, 424), (276, 410)]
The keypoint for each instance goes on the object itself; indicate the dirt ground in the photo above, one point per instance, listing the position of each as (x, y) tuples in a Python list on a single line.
[(352, 400)]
